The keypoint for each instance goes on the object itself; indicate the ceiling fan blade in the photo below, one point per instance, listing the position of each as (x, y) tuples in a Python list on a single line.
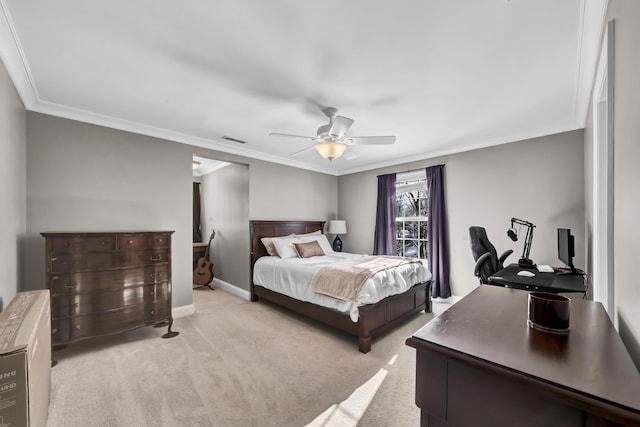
[(286, 135), (349, 154), (302, 151), (339, 126), (370, 140)]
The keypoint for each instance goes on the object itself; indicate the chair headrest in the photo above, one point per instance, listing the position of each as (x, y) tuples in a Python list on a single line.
[(480, 243)]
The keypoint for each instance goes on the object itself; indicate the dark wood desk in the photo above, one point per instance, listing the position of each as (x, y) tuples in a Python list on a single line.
[(479, 364), (545, 282)]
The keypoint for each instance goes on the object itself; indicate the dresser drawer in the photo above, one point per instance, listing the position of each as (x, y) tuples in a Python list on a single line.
[(60, 331), (109, 322), (139, 241), (62, 263), (81, 304), (83, 244), (97, 281), (143, 257)]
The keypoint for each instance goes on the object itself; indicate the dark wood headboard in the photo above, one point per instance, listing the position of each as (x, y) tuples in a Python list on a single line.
[(269, 228)]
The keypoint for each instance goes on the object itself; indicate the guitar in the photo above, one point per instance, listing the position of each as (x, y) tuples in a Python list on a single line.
[(203, 273)]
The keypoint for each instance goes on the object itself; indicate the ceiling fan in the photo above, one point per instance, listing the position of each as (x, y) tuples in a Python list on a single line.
[(332, 140)]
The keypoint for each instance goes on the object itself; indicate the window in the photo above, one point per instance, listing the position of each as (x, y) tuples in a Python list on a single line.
[(411, 214)]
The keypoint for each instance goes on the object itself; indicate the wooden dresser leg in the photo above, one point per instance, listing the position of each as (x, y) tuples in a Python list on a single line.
[(170, 333)]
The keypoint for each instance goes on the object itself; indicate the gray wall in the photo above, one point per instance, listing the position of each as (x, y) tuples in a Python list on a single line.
[(539, 180), (13, 187), (86, 177), (225, 208), (280, 192)]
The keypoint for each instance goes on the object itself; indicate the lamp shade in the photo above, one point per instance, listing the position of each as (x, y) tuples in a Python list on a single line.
[(337, 226), (331, 150)]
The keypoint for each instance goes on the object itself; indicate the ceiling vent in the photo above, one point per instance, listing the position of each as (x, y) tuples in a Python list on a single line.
[(239, 141)]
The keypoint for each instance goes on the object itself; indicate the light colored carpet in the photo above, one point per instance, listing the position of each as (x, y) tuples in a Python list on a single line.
[(236, 363)]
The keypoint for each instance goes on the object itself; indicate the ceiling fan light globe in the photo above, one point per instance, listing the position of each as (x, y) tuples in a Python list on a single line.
[(331, 150)]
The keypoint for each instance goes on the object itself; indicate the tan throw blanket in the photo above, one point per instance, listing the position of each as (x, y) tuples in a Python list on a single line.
[(344, 280)]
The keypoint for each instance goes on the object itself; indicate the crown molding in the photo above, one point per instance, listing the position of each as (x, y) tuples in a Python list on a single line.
[(447, 152), (12, 55), (156, 132)]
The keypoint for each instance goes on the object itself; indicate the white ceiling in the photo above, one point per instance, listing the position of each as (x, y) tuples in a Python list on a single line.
[(444, 76)]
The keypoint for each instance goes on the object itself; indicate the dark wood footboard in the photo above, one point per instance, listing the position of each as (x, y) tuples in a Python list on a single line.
[(375, 319)]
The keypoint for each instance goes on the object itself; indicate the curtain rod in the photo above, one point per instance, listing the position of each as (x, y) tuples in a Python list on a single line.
[(412, 170)]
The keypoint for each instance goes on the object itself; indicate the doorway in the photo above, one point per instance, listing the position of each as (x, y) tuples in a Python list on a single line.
[(224, 209)]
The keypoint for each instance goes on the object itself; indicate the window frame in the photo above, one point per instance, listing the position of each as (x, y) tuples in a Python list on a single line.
[(406, 183)]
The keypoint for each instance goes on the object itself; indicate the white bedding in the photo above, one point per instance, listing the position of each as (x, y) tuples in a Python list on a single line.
[(294, 277)]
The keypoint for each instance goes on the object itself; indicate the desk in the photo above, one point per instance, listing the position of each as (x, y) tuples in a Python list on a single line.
[(480, 364), (545, 282)]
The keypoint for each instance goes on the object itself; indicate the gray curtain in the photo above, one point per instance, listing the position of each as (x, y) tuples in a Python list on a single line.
[(384, 241), (437, 234)]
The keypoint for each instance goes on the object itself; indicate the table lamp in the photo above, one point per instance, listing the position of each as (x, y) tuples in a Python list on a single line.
[(337, 227)]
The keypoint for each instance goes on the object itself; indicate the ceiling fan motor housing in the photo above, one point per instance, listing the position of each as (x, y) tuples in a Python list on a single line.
[(323, 133)]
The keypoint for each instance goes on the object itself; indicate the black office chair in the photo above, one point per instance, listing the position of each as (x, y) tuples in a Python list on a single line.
[(485, 255)]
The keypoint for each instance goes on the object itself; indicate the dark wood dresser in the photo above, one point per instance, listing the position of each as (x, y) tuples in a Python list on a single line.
[(480, 364), (103, 283)]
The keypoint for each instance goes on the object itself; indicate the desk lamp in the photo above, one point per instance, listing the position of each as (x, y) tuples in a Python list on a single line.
[(524, 261)]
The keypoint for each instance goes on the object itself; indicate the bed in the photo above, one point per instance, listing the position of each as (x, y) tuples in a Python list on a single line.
[(373, 319)]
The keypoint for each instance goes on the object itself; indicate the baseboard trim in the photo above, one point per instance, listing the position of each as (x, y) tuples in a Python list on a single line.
[(228, 287), (183, 311)]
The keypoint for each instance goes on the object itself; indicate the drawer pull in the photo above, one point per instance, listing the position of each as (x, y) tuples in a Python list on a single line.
[(153, 312), (130, 242), (103, 243), (77, 327), (54, 331), (156, 258), (70, 285), (53, 258)]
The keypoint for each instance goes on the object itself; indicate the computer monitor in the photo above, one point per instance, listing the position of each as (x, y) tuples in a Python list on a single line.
[(566, 248)]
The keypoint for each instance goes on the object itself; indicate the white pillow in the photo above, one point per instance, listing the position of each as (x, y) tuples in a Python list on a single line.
[(268, 245), (284, 246), (321, 239), (313, 233)]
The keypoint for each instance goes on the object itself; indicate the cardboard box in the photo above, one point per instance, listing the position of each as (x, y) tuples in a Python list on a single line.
[(25, 360)]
